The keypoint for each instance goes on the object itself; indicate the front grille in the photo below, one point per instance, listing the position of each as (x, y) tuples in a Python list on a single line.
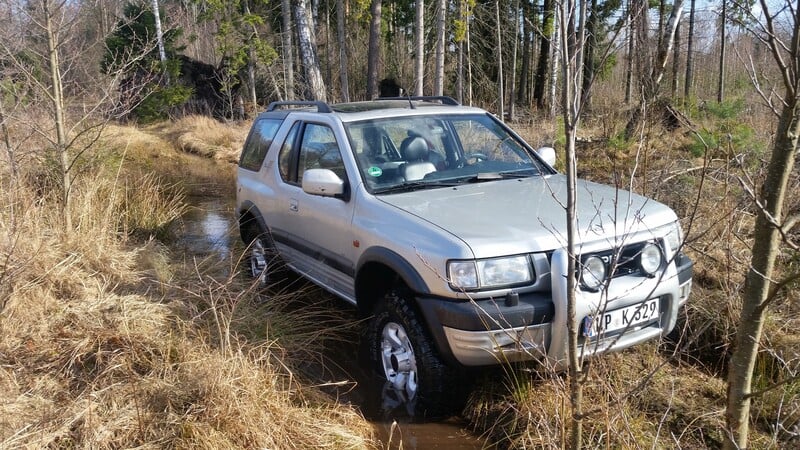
[(623, 262)]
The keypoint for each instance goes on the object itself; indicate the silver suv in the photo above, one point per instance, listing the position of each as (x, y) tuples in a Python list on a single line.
[(448, 232)]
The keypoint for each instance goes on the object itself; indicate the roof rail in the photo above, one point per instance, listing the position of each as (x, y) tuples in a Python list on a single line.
[(444, 99), (321, 106)]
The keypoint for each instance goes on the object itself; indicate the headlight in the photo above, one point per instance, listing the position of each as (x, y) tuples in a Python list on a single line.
[(593, 273), (490, 273), (673, 237), (650, 259)]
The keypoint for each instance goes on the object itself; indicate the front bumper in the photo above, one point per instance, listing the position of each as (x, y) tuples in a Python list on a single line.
[(494, 331)]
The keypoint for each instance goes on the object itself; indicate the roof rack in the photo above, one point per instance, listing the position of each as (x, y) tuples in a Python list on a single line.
[(444, 99), (321, 106)]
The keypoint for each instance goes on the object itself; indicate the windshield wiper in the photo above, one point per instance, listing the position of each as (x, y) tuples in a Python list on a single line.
[(490, 176), (415, 186)]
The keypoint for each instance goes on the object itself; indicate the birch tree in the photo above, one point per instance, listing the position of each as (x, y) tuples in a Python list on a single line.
[(573, 41), (159, 34), (771, 234), (441, 30), (315, 85), (419, 46), (651, 68)]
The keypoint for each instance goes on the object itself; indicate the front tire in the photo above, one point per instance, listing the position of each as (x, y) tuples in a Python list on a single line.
[(263, 262), (404, 354)]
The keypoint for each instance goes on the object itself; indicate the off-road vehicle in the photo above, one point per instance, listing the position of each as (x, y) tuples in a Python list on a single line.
[(448, 231)]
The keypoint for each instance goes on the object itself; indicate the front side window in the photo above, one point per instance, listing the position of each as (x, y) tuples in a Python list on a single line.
[(285, 155), (255, 149), (319, 150)]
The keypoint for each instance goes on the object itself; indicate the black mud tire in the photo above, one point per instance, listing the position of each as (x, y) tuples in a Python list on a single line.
[(436, 388)]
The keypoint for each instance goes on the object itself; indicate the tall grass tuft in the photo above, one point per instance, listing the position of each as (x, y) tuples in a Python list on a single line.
[(206, 137)]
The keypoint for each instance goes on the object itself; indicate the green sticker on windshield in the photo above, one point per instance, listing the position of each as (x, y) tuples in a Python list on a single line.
[(374, 171)]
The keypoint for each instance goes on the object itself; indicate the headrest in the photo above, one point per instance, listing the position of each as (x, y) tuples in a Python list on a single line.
[(414, 148)]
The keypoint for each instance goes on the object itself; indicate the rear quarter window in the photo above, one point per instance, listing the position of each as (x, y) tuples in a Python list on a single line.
[(255, 149)]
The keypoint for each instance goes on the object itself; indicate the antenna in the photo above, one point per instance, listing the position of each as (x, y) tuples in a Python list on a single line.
[(410, 103)]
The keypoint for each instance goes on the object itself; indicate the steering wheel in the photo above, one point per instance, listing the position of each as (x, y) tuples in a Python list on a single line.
[(478, 157)]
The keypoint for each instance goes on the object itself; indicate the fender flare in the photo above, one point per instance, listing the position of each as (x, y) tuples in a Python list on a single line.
[(249, 208), (394, 261)]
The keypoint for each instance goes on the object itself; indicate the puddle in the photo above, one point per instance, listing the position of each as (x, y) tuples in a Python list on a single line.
[(209, 232), (208, 228)]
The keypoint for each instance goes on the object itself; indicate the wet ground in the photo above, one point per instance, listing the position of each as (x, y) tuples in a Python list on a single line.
[(209, 232)]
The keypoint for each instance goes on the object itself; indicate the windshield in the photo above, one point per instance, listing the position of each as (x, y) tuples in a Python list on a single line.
[(425, 152)]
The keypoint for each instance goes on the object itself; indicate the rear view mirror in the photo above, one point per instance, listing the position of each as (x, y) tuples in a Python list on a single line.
[(322, 182), (548, 154)]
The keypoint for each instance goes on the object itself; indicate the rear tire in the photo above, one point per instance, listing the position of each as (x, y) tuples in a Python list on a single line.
[(404, 354)]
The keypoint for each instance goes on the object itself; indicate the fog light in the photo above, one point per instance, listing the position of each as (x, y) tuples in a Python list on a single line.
[(650, 259), (593, 273)]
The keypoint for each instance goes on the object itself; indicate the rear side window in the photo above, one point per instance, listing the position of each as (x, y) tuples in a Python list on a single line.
[(255, 149)]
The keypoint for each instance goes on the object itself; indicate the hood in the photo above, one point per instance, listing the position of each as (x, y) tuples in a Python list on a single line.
[(504, 217)]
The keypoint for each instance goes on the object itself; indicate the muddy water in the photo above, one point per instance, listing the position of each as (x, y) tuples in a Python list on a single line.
[(209, 231)]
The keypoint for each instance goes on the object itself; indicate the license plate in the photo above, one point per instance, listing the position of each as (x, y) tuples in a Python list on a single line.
[(619, 319)]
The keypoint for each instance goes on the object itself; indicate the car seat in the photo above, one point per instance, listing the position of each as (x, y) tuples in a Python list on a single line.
[(415, 152)]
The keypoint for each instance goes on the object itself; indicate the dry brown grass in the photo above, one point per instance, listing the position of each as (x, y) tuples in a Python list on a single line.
[(677, 407), (204, 136), (105, 344)]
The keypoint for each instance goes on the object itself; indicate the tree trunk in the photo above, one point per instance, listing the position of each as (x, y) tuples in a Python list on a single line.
[(500, 88), (662, 56), (765, 250), (589, 64), (766, 239), (653, 69), (441, 21), (555, 58), (460, 49), (342, 35), (374, 51), (543, 64), (723, 37), (288, 57), (687, 84), (629, 59), (308, 53), (513, 73), (676, 61), (572, 56), (162, 54), (419, 44), (468, 37), (524, 73), (251, 65), (57, 99), (251, 79)]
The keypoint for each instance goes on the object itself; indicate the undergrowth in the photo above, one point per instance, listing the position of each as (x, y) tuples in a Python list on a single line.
[(107, 340)]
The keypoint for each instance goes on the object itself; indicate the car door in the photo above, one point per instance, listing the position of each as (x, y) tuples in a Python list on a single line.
[(312, 231)]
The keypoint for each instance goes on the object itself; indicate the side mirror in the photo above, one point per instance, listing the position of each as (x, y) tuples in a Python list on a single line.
[(322, 182), (548, 154)]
